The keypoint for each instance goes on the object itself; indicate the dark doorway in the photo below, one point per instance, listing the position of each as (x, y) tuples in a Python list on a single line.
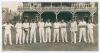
[(48, 16), (29, 16), (66, 16), (83, 15)]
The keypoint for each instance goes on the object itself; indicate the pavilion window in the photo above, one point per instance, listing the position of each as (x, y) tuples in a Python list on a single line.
[(56, 4), (68, 4), (46, 4)]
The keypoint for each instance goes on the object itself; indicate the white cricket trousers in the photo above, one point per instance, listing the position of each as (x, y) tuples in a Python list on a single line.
[(19, 36), (73, 36), (56, 34), (64, 34), (41, 34), (25, 36), (33, 35), (82, 33), (48, 34), (90, 35), (7, 35)]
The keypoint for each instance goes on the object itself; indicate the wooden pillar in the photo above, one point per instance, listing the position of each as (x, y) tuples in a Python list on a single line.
[(51, 4), (92, 15), (40, 13), (61, 4), (56, 14)]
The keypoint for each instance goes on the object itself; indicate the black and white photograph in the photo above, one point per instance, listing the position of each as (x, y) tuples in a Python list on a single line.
[(49, 26)]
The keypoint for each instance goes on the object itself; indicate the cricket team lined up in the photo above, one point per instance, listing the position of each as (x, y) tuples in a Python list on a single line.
[(24, 36)]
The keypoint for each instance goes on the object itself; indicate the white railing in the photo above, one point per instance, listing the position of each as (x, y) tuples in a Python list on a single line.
[(54, 8)]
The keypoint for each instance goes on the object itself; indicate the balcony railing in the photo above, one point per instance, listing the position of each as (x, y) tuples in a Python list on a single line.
[(56, 8)]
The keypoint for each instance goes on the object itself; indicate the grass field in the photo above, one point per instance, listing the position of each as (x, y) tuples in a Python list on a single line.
[(54, 46)]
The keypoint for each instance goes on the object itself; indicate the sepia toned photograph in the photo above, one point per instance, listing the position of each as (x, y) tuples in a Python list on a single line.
[(49, 26)]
